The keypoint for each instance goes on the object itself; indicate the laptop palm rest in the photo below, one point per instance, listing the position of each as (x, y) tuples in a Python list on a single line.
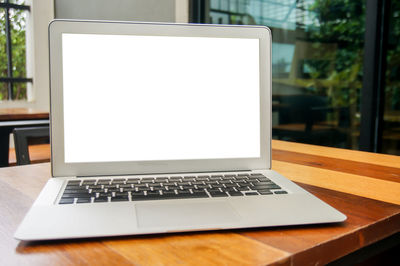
[(187, 214)]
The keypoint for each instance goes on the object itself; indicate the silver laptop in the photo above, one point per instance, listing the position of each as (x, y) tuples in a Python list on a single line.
[(159, 128)]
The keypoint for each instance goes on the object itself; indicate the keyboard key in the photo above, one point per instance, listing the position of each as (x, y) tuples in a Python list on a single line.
[(144, 182), (280, 192), (183, 192), (119, 199), (74, 181), (101, 199), (103, 181), (66, 201), (128, 189), (218, 194), (121, 194), (75, 190), (251, 193), (258, 187), (76, 195), (199, 195), (197, 183), (132, 181), (170, 193), (137, 193), (265, 192), (95, 186), (113, 190), (188, 187), (153, 193), (115, 181), (89, 182), (202, 186), (84, 200), (235, 193), (105, 194)]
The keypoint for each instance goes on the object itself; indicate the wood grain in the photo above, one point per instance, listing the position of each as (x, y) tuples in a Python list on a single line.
[(39, 153), (363, 196), (367, 222), (8, 114), (345, 154), (383, 190), (225, 248), (339, 165)]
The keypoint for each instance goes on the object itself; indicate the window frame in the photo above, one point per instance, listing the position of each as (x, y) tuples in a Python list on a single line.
[(10, 79)]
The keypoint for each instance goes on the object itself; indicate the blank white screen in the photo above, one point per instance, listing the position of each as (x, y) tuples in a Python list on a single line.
[(138, 98)]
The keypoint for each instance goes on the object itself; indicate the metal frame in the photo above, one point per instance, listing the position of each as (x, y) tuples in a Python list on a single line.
[(10, 79), (373, 94), (62, 168)]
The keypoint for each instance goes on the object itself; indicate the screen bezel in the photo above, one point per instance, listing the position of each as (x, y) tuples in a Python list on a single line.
[(61, 168)]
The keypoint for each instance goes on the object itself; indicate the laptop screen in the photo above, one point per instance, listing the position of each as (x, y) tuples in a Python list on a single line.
[(146, 98)]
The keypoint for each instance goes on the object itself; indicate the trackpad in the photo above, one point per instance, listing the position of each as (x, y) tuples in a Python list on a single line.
[(185, 214)]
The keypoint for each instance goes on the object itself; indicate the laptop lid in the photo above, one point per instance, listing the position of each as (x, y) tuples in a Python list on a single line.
[(135, 98)]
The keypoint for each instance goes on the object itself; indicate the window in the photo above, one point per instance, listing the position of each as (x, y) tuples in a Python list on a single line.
[(317, 59), (13, 80), (391, 108)]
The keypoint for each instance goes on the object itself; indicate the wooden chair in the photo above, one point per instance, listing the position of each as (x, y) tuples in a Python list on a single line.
[(28, 136)]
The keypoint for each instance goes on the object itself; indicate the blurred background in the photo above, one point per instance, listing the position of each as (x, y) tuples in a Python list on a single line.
[(335, 64)]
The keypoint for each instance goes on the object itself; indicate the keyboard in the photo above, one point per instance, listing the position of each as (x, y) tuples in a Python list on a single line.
[(90, 190)]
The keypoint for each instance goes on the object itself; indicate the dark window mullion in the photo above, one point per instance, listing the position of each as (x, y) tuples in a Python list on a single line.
[(9, 52), (372, 94), (10, 80)]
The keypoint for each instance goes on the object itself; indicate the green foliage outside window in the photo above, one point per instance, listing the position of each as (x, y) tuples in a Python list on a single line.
[(18, 40)]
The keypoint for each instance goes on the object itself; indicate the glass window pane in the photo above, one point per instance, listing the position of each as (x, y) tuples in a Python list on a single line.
[(3, 56), (391, 116), (317, 66), (18, 29)]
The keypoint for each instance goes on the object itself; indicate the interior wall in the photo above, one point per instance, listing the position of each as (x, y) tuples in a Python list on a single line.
[(124, 10)]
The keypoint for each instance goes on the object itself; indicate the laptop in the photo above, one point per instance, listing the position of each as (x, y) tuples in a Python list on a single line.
[(159, 128)]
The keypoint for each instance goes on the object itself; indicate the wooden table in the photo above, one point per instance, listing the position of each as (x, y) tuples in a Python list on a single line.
[(364, 186), (11, 118)]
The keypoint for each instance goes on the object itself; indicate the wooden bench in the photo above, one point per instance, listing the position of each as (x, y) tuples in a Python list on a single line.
[(39, 153)]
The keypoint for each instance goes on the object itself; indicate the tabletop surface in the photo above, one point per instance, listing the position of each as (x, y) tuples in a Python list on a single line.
[(364, 186), (9, 114)]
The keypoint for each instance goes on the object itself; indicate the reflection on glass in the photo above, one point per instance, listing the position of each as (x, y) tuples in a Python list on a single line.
[(391, 116), (316, 64)]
